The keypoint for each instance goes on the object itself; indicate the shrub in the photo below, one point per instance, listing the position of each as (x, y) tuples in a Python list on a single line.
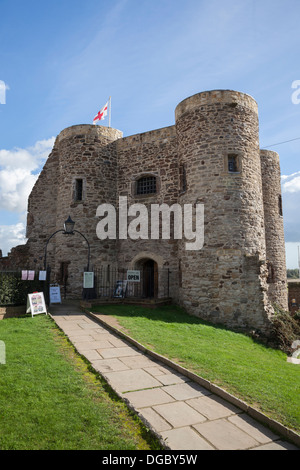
[(14, 291), (286, 329)]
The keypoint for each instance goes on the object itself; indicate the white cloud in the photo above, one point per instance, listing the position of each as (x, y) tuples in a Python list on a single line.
[(290, 198), (10, 236), (18, 173), (15, 187), (29, 159), (291, 183), (19, 170), (291, 249)]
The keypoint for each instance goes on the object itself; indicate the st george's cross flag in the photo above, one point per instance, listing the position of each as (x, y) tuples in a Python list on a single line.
[(102, 113)]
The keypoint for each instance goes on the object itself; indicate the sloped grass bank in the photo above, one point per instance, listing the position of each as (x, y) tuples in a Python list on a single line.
[(50, 399), (259, 375)]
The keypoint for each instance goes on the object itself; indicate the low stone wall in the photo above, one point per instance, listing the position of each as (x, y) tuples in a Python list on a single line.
[(150, 303), (12, 311)]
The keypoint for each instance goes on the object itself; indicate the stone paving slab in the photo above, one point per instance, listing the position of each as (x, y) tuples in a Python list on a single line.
[(224, 435), (156, 420), (146, 398), (186, 439), (182, 413), (108, 365), (186, 390), (276, 445), (132, 379), (213, 407), (179, 414), (250, 426), (124, 351)]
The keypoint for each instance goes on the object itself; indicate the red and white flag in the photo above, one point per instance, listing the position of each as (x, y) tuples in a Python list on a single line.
[(102, 113)]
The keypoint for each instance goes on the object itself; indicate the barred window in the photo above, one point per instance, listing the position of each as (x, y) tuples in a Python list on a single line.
[(146, 185)]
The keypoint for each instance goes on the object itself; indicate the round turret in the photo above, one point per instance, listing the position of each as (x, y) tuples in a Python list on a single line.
[(87, 174), (219, 156), (276, 262)]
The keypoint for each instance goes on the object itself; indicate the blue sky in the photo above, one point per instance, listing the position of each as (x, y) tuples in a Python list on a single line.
[(61, 60)]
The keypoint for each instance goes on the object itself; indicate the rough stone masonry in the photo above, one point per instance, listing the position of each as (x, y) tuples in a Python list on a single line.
[(211, 156)]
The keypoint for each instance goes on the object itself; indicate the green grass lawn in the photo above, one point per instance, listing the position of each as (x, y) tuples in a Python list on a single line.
[(259, 375), (50, 398)]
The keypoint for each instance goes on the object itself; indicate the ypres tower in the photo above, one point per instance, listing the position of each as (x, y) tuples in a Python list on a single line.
[(211, 156)]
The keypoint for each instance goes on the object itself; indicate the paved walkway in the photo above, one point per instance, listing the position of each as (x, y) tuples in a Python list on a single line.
[(182, 413)]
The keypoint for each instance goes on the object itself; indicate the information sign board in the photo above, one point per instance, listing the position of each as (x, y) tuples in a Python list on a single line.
[(88, 280), (55, 297), (36, 303), (133, 276)]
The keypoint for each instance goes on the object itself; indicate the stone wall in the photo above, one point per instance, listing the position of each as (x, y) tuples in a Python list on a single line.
[(11, 312), (42, 209), (150, 153)]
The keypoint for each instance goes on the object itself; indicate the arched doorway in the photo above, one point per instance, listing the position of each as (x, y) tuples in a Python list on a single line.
[(150, 278), (150, 266)]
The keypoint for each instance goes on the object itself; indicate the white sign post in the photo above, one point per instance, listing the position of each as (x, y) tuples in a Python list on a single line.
[(36, 303)]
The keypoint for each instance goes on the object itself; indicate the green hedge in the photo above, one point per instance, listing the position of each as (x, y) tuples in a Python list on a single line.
[(14, 291)]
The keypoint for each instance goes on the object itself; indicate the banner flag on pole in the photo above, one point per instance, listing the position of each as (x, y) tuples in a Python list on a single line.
[(101, 114)]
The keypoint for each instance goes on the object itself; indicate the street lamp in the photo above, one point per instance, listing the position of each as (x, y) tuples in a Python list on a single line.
[(69, 226), (67, 230)]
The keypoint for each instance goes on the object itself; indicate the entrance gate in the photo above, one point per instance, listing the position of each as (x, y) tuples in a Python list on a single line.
[(154, 281)]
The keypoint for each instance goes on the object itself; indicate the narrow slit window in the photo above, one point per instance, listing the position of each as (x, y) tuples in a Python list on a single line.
[(182, 172), (146, 185), (271, 273), (233, 166), (78, 190), (280, 205)]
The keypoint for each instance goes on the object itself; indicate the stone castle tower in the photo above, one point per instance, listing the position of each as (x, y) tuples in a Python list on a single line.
[(211, 156)]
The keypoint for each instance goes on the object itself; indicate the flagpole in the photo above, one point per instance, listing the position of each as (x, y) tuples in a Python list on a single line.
[(109, 114)]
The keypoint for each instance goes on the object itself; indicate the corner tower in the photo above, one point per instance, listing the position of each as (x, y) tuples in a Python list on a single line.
[(275, 247), (87, 175), (218, 141)]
